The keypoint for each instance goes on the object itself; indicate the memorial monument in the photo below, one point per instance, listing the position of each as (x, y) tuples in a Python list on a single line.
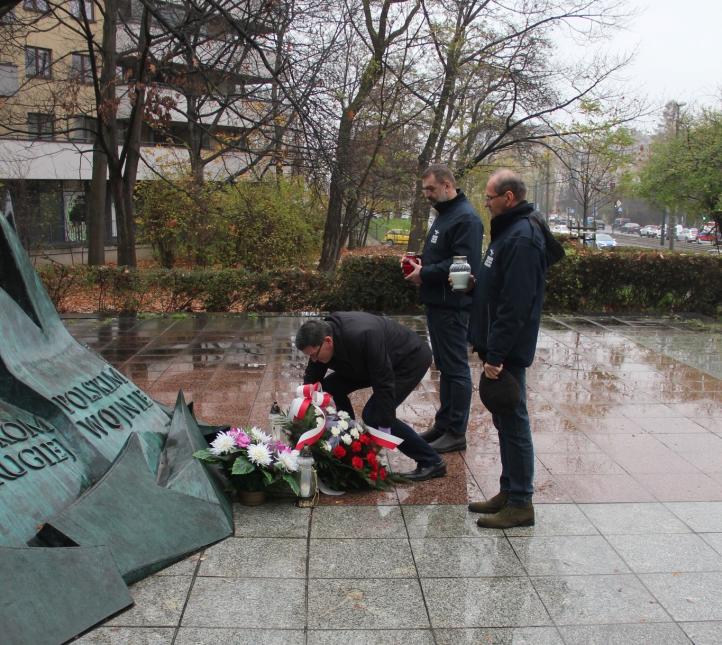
[(98, 484)]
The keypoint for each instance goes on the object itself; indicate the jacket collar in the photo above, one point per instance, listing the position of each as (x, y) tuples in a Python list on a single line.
[(502, 222), (443, 207)]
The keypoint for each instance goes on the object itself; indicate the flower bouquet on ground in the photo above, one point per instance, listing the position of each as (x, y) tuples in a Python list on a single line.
[(251, 460), (346, 451)]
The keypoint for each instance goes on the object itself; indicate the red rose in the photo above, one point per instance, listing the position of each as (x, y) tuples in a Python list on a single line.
[(365, 439), (357, 463), (382, 473), (356, 446), (371, 457), (339, 452)]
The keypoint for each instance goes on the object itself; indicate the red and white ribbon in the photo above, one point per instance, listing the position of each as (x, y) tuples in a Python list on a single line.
[(307, 396), (311, 436), (306, 391), (384, 439)]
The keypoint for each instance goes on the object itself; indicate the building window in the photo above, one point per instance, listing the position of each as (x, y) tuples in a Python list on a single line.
[(81, 128), (37, 62), (9, 82), (80, 68), (77, 11), (35, 5), (41, 126)]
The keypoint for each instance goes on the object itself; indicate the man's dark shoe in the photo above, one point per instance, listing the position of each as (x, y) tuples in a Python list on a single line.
[(423, 473), (432, 434), (491, 505), (508, 517), (449, 442)]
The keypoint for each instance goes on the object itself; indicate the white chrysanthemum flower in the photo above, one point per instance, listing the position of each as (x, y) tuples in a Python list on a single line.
[(343, 424), (344, 415), (326, 446), (347, 439), (258, 453), (259, 435), (335, 431), (330, 410), (354, 432), (223, 444), (289, 460)]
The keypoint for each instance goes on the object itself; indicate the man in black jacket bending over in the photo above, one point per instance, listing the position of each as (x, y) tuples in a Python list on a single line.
[(363, 351), (457, 230), (504, 326)]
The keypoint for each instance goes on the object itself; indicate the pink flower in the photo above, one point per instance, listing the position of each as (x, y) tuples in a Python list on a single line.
[(241, 438), (281, 447)]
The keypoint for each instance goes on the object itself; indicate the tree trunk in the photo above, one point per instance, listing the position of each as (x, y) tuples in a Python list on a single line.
[(333, 229), (96, 208)]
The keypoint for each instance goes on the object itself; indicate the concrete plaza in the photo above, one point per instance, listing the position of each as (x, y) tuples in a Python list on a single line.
[(627, 547)]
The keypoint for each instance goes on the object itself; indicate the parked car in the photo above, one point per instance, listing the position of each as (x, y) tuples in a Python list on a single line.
[(561, 229), (708, 234), (396, 236), (600, 225), (630, 228), (650, 230), (692, 235), (604, 241), (619, 222)]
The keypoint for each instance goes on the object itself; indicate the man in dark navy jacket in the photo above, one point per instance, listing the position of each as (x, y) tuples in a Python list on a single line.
[(508, 298), (363, 351), (457, 230)]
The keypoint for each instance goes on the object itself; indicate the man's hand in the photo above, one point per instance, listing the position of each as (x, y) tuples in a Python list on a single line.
[(415, 276), (469, 286), (492, 371)]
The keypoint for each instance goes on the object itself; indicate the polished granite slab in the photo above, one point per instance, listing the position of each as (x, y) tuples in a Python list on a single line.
[(627, 421)]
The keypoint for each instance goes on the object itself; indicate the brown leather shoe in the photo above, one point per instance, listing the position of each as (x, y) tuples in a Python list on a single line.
[(508, 517), (491, 505)]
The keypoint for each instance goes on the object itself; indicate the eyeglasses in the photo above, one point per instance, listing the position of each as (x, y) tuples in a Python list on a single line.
[(488, 198), (314, 356)]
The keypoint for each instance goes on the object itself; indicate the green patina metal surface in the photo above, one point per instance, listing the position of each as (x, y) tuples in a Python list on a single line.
[(53, 591), (89, 457)]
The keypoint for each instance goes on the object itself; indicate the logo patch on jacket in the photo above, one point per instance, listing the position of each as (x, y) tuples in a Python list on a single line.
[(434, 237), (489, 258)]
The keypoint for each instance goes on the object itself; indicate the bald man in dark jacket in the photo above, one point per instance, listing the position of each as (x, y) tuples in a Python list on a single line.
[(364, 350)]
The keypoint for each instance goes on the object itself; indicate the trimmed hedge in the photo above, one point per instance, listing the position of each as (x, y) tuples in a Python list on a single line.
[(590, 282)]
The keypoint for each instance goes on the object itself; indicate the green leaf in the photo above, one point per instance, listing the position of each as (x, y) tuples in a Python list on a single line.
[(206, 455), (267, 476), (292, 483), (241, 466)]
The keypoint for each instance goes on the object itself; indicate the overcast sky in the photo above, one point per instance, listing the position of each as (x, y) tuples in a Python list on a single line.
[(678, 49), (678, 46)]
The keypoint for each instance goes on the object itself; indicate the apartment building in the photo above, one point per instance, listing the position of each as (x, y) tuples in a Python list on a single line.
[(48, 106)]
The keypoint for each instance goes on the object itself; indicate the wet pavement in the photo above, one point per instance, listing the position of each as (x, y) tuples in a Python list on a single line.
[(627, 547)]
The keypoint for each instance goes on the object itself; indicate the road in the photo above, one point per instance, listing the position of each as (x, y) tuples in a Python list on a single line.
[(653, 243)]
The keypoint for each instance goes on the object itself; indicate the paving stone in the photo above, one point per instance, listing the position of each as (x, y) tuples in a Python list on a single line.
[(362, 558), (579, 600), (158, 602), (633, 518), (245, 603), (206, 636), (483, 602), (687, 596), (667, 633), (255, 558), (666, 553), (366, 604)]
